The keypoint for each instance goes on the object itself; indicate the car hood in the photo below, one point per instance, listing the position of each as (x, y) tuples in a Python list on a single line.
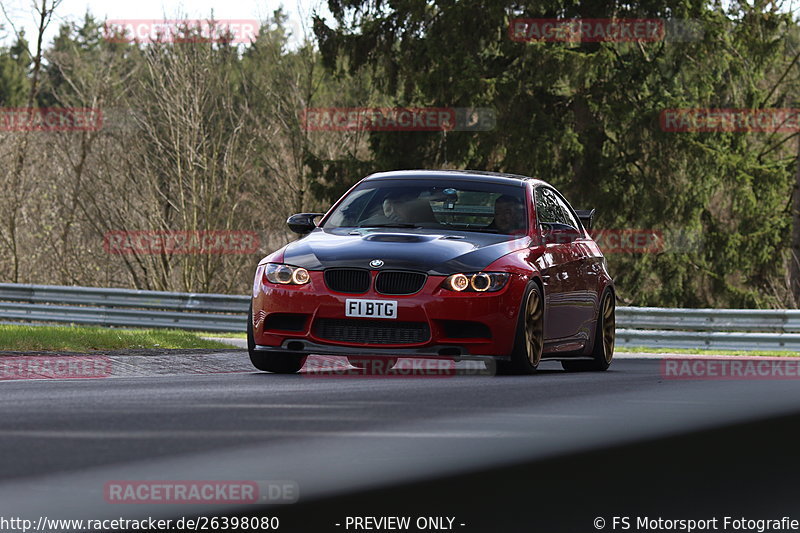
[(430, 251)]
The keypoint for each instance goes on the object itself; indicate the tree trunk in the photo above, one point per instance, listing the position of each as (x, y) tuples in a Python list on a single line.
[(794, 258)]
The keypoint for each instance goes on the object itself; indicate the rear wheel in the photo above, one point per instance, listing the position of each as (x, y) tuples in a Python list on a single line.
[(604, 337), (529, 341), (278, 363), (373, 365)]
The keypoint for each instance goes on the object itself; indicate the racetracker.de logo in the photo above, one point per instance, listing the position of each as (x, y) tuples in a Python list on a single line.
[(629, 241), (201, 492), (378, 119), (54, 367), (730, 369), (50, 119), (181, 242), (381, 367), (635, 241), (781, 120), (181, 31), (586, 30)]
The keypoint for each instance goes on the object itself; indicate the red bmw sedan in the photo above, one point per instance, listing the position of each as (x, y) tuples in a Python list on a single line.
[(453, 265)]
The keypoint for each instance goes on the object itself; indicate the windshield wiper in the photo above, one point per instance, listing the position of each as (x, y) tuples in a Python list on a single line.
[(390, 225)]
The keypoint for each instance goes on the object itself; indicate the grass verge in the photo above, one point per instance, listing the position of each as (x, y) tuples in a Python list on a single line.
[(693, 351), (86, 339), (241, 335)]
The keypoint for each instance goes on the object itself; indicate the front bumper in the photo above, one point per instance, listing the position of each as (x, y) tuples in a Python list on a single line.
[(460, 325), (440, 351)]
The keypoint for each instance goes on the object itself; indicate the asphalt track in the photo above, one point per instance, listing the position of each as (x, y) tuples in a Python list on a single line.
[(546, 452)]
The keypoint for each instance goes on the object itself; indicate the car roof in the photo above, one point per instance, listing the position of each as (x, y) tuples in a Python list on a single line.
[(468, 175)]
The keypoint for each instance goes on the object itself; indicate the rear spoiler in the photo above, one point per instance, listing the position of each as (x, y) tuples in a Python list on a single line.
[(586, 216)]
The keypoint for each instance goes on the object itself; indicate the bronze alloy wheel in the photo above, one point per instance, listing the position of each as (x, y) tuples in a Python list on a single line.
[(605, 334), (609, 327), (534, 327), (529, 337)]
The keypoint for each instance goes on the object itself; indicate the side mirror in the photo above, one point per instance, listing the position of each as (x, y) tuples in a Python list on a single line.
[(586, 216), (302, 223)]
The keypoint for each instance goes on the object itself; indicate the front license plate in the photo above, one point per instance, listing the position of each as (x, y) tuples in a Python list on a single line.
[(371, 308)]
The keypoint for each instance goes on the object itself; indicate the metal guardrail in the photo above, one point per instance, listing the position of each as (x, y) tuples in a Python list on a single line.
[(717, 329), (755, 320), (122, 307), (730, 329), (708, 340)]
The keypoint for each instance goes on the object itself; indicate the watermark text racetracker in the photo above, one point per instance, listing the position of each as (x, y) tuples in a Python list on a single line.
[(181, 30), (636, 240), (730, 368), (50, 119), (398, 119), (381, 367), (201, 492), (769, 120), (586, 30), (590, 30), (55, 367), (688, 525)]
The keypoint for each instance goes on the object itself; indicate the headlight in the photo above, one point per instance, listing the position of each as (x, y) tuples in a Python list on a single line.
[(457, 282), (286, 274), (478, 282)]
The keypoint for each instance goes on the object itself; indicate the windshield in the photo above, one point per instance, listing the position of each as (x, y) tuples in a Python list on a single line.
[(457, 205)]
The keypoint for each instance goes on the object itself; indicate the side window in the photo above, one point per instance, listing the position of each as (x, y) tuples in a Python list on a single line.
[(548, 207), (351, 213), (569, 218)]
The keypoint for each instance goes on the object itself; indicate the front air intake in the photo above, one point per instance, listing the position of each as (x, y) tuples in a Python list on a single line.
[(371, 331)]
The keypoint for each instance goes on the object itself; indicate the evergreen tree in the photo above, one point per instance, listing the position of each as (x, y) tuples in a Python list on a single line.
[(585, 117)]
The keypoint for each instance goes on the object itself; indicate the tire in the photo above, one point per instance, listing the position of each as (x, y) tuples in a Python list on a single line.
[(604, 337), (373, 365), (278, 363), (529, 339)]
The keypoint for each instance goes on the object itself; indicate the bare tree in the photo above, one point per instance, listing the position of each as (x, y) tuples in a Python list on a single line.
[(14, 180), (191, 162)]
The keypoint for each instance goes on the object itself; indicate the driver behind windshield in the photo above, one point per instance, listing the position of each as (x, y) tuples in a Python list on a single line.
[(399, 206), (405, 207), (509, 214)]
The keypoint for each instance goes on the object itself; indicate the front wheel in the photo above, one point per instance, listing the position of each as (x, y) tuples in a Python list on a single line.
[(529, 341), (605, 334), (278, 363)]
